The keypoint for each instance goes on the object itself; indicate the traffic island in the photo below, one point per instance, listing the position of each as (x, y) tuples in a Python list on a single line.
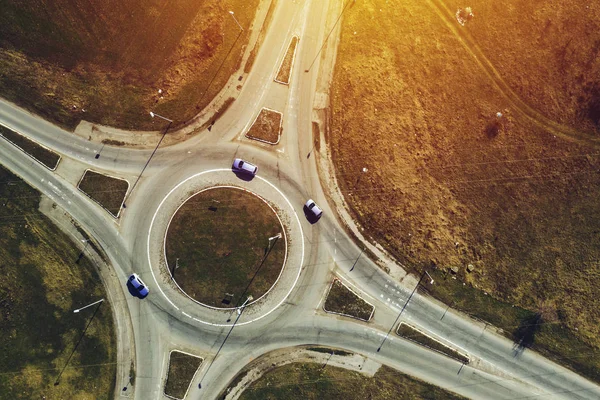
[(181, 372), (285, 70), (344, 301), (416, 336), (266, 127), (223, 245), (108, 191), (39, 153)]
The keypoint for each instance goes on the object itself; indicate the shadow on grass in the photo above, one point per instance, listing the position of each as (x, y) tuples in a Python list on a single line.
[(524, 335)]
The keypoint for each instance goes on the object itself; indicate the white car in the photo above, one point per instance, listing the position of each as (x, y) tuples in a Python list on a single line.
[(245, 167), (313, 209), (135, 281)]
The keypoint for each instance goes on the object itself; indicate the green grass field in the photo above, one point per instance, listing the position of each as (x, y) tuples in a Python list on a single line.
[(105, 61), (106, 190), (311, 381), (220, 237), (41, 285)]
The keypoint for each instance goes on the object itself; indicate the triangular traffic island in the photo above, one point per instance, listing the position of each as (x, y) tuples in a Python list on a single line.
[(180, 374), (344, 301), (108, 191), (266, 127), (285, 70)]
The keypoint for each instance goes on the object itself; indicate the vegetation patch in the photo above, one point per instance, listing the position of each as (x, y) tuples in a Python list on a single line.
[(414, 335), (342, 300), (285, 70), (300, 381), (41, 154), (106, 190), (266, 127), (327, 350), (218, 248), (171, 58), (449, 182), (261, 36), (44, 280), (182, 368), (543, 332)]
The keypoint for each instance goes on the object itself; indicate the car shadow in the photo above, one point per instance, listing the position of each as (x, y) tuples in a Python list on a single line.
[(310, 217), (243, 176)]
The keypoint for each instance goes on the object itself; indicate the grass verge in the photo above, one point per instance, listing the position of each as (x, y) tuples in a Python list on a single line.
[(342, 300), (46, 157), (261, 37), (414, 335), (299, 381), (327, 350), (106, 190), (528, 329), (285, 70), (44, 280), (182, 368), (219, 239), (267, 127)]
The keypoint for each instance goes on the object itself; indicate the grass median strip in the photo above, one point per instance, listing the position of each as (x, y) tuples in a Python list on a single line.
[(43, 281), (106, 190), (182, 368), (285, 70), (342, 300), (416, 336), (46, 157), (300, 381), (266, 127)]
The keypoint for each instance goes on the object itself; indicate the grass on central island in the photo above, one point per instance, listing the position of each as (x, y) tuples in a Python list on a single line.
[(216, 244)]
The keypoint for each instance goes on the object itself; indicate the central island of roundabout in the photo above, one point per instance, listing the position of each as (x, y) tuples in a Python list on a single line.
[(222, 247), (217, 242)]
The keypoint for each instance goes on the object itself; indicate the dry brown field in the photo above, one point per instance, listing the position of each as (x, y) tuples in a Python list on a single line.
[(448, 183), (105, 61)]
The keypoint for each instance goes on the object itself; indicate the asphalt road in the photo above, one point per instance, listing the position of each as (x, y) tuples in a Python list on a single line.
[(292, 314)]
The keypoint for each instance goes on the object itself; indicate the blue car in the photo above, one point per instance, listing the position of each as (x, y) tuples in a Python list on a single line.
[(138, 285)]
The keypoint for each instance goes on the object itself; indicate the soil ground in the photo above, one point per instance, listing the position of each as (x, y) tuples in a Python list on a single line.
[(49, 158), (267, 126), (312, 381), (182, 368), (219, 240), (44, 280), (449, 183), (342, 300), (106, 190), (285, 70), (104, 61)]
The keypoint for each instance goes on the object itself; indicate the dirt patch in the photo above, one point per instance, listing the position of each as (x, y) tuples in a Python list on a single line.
[(182, 368), (444, 186), (132, 56), (342, 300), (285, 70), (106, 190), (43, 280), (267, 127), (46, 157), (414, 335), (312, 381), (218, 247)]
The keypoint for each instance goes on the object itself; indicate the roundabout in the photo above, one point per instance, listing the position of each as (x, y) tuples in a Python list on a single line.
[(223, 245), (275, 264)]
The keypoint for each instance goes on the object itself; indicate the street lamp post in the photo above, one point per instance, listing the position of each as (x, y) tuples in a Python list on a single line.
[(235, 19), (239, 310), (152, 114), (329, 34), (99, 302), (403, 308)]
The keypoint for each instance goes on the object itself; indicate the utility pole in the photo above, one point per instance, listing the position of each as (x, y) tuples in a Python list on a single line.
[(403, 308), (353, 265)]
